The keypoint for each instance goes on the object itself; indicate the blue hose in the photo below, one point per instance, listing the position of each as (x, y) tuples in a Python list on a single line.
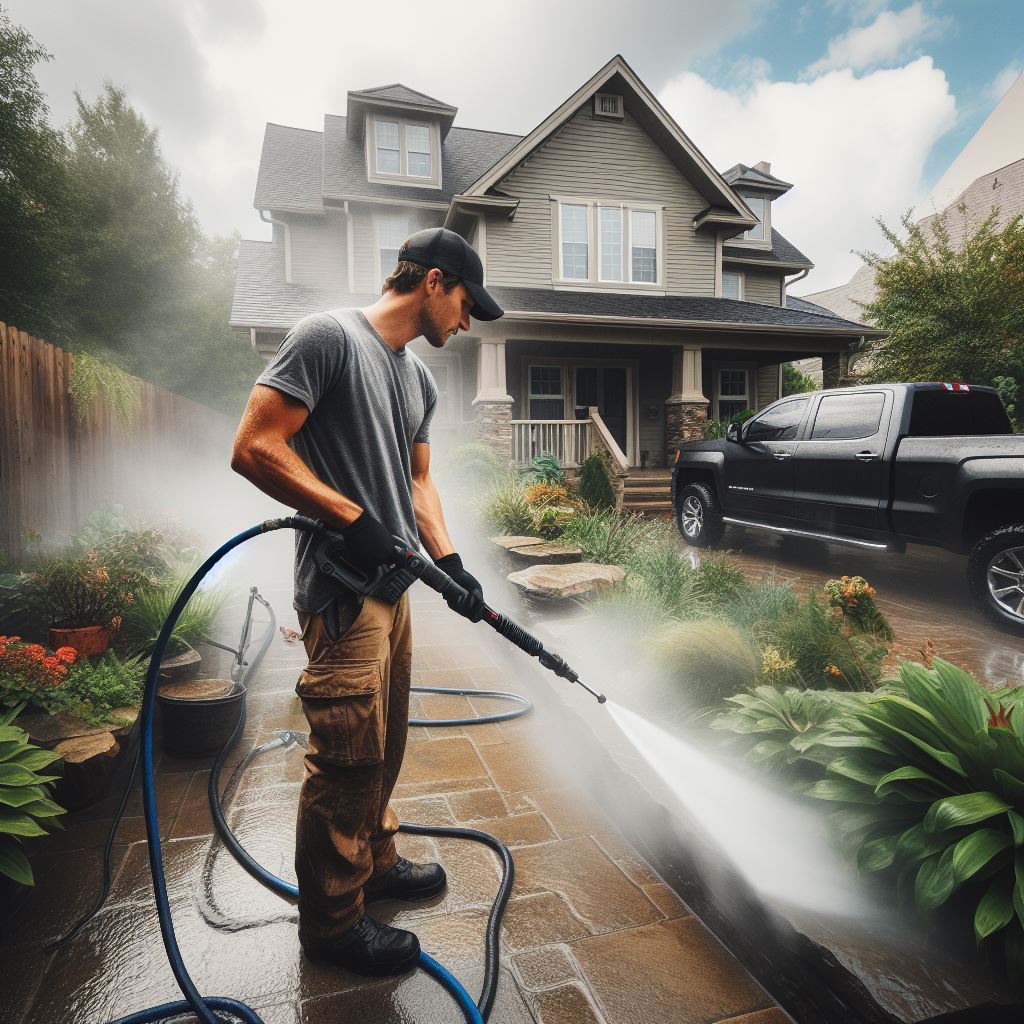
[(202, 1007)]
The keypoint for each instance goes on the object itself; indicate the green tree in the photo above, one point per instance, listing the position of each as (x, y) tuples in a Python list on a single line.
[(796, 382), (953, 312), (36, 201)]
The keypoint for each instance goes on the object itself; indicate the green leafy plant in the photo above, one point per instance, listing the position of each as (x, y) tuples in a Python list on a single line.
[(94, 378), (506, 509), (930, 791), (24, 796), (796, 382), (75, 592), (718, 580), (546, 470), (855, 599), (596, 481), (714, 430), (94, 690), (145, 617)]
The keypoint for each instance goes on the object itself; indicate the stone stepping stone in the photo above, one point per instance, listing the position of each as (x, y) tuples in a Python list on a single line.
[(547, 554), (516, 542), (561, 582)]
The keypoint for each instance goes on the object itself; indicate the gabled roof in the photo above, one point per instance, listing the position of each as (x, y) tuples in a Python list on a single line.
[(741, 174), (397, 97), (290, 176), (465, 155), (641, 103), (783, 252)]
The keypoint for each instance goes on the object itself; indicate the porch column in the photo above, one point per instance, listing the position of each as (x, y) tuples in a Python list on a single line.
[(492, 407), (686, 408), (835, 370)]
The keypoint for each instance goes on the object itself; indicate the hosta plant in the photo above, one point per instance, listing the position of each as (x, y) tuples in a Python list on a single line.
[(929, 784), (24, 796)]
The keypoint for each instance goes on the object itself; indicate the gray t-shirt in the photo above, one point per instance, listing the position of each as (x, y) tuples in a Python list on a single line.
[(367, 405)]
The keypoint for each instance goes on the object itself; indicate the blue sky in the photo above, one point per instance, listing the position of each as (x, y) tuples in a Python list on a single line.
[(862, 104)]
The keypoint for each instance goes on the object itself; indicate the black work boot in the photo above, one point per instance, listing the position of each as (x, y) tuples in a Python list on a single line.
[(370, 948), (406, 881)]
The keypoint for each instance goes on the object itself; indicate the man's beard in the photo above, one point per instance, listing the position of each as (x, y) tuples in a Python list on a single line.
[(435, 333)]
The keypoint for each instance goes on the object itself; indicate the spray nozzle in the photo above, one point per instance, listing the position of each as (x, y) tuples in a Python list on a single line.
[(556, 664)]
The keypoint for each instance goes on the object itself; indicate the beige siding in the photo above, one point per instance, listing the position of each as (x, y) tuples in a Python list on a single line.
[(767, 384), (598, 159), (318, 250), (761, 285)]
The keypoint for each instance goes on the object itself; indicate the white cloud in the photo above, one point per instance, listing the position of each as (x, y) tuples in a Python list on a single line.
[(890, 37), (851, 148), (1000, 85)]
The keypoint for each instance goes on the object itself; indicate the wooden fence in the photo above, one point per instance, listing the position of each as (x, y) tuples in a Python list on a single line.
[(56, 468)]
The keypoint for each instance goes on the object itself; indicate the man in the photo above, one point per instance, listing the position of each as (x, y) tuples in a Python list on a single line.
[(337, 427)]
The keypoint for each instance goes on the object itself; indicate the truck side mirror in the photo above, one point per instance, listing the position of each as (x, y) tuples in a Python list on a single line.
[(734, 432)]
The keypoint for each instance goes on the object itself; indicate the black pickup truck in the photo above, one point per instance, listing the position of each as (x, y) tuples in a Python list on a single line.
[(879, 467)]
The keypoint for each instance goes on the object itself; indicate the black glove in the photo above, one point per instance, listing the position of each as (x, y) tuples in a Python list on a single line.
[(472, 605), (368, 544)]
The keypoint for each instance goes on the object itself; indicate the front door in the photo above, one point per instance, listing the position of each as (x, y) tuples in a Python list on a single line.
[(759, 473), (605, 387)]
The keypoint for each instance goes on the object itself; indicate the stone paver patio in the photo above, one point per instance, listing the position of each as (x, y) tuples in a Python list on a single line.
[(591, 933)]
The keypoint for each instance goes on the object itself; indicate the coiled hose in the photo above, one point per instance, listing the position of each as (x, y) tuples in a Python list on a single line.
[(204, 1007)]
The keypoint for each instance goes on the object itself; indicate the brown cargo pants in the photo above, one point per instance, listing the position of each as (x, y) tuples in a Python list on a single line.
[(355, 695)]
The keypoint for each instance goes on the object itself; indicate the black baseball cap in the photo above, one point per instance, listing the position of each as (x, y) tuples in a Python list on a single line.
[(450, 252)]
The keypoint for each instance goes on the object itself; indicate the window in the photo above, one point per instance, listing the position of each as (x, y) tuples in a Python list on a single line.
[(757, 208), (627, 243), (732, 285), (547, 393), (844, 417), (417, 139), (779, 423), (389, 149), (644, 244), (400, 149), (972, 413), (733, 396), (575, 250), (392, 231)]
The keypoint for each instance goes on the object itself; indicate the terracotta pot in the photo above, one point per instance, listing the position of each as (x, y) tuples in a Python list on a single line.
[(87, 640)]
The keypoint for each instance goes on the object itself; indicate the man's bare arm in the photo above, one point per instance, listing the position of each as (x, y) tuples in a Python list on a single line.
[(261, 454), (427, 506)]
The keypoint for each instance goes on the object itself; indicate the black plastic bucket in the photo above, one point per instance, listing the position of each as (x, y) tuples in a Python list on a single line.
[(194, 726)]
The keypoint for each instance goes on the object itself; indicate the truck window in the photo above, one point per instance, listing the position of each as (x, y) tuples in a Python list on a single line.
[(779, 423), (957, 413), (844, 417)]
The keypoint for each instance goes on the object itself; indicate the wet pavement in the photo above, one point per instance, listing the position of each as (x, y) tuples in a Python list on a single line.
[(923, 593), (592, 935)]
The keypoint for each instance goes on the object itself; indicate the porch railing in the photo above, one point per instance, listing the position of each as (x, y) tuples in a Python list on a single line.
[(569, 441)]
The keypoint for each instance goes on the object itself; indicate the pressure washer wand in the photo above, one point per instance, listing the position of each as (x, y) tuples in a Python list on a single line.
[(437, 579)]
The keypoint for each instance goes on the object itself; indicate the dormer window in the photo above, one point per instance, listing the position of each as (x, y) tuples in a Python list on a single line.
[(760, 233), (403, 151)]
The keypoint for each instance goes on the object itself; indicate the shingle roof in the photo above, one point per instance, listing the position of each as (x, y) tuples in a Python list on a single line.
[(685, 308), (263, 299), (290, 173), (752, 176), (795, 302), (400, 94), (465, 155), (782, 251)]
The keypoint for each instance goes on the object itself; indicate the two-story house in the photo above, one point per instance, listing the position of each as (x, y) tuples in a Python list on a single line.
[(645, 291)]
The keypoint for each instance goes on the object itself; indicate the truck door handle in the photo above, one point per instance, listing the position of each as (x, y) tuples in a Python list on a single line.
[(866, 456), (780, 455)]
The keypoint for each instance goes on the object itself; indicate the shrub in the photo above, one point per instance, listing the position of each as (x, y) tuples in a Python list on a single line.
[(541, 495), (660, 573), (930, 789), (753, 608), (703, 661), (546, 470), (607, 537), (856, 600), (505, 507), (93, 690), (29, 674), (596, 481), (714, 430), (144, 619), (24, 796)]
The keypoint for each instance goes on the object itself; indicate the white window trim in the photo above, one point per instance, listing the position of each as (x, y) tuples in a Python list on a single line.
[(757, 243), (743, 283), (616, 115), (403, 177), (750, 371), (593, 279)]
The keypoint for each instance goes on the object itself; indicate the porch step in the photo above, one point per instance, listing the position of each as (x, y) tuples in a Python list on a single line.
[(648, 493)]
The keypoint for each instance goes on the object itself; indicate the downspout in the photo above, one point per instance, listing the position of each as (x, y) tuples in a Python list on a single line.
[(349, 250), (799, 277), (287, 243)]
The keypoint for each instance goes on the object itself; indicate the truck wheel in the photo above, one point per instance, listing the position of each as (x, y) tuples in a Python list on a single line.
[(995, 574), (698, 516)]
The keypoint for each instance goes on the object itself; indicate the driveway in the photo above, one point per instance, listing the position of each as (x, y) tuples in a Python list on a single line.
[(923, 593)]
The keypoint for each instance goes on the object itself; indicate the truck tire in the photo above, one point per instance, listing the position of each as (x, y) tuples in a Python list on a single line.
[(698, 516), (995, 574)]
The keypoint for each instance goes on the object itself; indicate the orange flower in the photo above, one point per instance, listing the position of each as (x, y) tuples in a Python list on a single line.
[(67, 655)]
